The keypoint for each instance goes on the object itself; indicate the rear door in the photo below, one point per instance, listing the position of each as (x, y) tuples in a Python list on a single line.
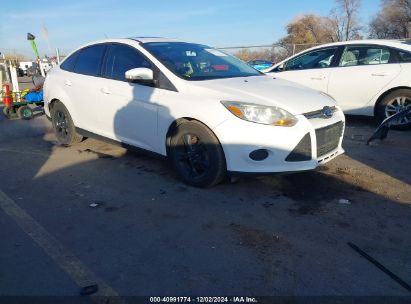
[(82, 87), (310, 69), (362, 72)]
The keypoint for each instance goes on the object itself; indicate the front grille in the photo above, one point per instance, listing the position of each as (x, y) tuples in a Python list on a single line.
[(328, 138)]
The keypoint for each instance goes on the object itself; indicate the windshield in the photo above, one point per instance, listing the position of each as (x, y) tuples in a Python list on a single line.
[(198, 62)]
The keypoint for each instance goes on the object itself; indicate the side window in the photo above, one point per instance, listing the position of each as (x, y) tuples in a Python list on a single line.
[(68, 63), (350, 57), (365, 55), (404, 56), (377, 56), (89, 60), (317, 59), (122, 58)]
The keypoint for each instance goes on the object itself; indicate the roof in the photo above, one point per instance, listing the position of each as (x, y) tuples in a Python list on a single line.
[(391, 43), (152, 39)]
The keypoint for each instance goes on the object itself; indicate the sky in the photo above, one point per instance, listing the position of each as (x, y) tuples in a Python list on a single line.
[(219, 23)]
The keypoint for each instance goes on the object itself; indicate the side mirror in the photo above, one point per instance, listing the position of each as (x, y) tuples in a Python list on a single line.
[(141, 75)]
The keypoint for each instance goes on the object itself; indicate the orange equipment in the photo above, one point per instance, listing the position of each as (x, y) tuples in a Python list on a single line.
[(7, 100)]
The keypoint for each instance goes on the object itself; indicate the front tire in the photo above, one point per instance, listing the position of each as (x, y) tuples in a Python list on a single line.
[(63, 125), (197, 155), (393, 103)]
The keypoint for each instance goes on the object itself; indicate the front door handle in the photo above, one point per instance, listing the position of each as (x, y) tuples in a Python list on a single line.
[(105, 91), (68, 83)]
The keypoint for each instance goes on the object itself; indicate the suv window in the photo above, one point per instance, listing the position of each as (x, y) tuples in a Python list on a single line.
[(405, 56), (316, 59), (365, 55), (89, 60), (122, 58), (68, 63)]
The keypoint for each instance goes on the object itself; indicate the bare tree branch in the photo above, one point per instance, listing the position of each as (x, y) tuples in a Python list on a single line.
[(392, 21), (345, 19)]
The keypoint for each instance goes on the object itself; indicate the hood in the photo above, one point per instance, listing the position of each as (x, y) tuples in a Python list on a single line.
[(266, 90)]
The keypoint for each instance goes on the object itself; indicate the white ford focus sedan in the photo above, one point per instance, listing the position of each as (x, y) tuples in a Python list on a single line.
[(208, 112), (366, 77)]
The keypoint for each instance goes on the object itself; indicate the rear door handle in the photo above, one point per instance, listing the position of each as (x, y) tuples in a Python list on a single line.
[(318, 78), (68, 83), (379, 74), (105, 91)]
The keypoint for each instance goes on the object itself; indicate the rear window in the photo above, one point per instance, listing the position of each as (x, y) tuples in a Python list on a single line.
[(69, 62), (365, 55), (89, 60)]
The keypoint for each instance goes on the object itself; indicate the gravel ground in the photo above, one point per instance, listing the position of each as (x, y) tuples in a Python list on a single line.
[(149, 234)]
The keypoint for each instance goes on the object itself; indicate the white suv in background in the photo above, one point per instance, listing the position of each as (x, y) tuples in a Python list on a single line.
[(366, 77), (208, 112)]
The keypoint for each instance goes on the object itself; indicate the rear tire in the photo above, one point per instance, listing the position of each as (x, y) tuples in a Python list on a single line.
[(197, 155), (392, 104), (7, 111), (25, 112), (63, 125)]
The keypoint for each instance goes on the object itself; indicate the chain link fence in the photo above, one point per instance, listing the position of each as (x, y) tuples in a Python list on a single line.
[(274, 53)]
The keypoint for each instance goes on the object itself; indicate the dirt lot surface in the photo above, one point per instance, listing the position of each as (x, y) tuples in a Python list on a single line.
[(97, 213)]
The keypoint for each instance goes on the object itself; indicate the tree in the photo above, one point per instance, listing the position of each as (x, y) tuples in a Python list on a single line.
[(341, 24), (306, 31), (393, 20), (344, 20)]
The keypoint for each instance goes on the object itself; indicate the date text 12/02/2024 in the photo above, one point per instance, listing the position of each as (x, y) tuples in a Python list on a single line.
[(203, 300)]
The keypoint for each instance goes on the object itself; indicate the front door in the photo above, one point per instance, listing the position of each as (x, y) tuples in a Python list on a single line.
[(310, 69), (128, 111)]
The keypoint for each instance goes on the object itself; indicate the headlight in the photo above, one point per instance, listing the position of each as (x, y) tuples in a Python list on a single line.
[(261, 114)]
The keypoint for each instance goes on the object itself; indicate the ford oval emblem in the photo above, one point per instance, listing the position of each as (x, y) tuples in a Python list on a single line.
[(327, 112)]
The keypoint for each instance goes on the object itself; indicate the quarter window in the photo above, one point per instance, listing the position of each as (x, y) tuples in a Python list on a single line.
[(365, 55), (122, 58), (89, 60), (405, 56), (68, 63), (317, 59)]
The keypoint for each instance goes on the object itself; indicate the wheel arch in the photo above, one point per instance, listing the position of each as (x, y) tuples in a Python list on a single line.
[(178, 122), (52, 103), (67, 105), (383, 95)]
